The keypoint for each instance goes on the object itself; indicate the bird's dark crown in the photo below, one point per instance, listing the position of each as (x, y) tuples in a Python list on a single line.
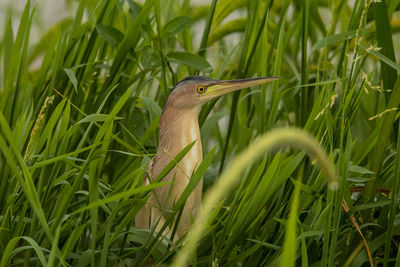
[(195, 79), (192, 79)]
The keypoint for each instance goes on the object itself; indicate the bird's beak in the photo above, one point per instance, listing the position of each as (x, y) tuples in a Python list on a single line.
[(224, 87)]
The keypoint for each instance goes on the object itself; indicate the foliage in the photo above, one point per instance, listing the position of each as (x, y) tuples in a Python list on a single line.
[(78, 131)]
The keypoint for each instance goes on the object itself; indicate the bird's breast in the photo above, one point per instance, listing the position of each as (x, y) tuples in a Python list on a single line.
[(195, 155)]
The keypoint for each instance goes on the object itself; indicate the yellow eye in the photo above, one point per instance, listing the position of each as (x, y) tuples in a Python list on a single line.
[(201, 89)]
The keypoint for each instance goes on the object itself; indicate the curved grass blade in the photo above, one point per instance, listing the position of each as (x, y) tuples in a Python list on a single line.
[(231, 176)]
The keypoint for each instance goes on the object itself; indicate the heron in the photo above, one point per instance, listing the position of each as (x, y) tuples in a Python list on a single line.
[(178, 128)]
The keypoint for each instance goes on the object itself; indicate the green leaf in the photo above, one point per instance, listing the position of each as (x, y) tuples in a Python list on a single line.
[(152, 106), (120, 196), (134, 8), (54, 247), (110, 34), (333, 39), (190, 60), (10, 248), (385, 41), (24, 177), (383, 58), (71, 75), (359, 169), (206, 32), (130, 41), (358, 179), (7, 46), (176, 25), (149, 59), (289, 253), (378, 155), (96, 117)]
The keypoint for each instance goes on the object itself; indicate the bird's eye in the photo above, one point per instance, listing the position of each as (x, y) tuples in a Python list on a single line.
[(201, 89)]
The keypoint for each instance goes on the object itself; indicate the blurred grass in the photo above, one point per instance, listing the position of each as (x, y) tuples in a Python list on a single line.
[(78, 129)]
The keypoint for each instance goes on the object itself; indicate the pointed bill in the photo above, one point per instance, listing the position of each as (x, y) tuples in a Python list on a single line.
[(224, 87)]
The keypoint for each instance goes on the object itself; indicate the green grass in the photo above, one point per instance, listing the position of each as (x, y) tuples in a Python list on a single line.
[(78, 130)]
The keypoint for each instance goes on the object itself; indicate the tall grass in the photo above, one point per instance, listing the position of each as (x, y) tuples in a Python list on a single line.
[(77, 133)]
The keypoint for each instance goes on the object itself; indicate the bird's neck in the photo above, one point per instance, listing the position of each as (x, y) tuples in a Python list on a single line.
[(178, 129)]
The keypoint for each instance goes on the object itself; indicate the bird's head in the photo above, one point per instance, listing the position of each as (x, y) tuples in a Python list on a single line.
[(194, 91)]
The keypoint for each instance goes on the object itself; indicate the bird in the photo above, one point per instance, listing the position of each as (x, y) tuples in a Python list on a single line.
[(178, 128)]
